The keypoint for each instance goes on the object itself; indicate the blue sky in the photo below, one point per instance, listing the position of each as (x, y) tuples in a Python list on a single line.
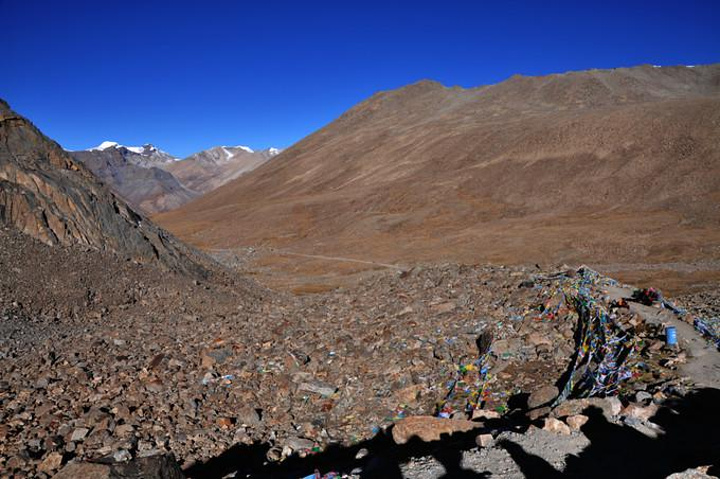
[(190, 75)]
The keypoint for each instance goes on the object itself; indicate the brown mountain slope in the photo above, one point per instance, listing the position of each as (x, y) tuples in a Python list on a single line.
[(600, 166), (49, 196)]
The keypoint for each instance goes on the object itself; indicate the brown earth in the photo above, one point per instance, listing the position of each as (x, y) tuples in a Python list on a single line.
[(604, 167)]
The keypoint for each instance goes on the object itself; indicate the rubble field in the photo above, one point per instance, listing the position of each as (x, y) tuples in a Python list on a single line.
[(105, 362)]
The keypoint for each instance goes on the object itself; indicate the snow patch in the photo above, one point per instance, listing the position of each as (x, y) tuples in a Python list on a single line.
[(228, 153), (273, 151), (147, 151), (246, 148), (105, 145), (112, 144)]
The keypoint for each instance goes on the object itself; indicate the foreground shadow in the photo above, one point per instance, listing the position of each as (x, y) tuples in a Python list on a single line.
[(691, 438), (383, 458)]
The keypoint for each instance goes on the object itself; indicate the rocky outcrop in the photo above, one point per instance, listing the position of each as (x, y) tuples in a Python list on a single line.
[(428, 428), (47, 195)]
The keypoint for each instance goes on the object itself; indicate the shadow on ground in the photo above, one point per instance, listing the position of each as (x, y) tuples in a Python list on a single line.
[(383, 459), (691, 439)]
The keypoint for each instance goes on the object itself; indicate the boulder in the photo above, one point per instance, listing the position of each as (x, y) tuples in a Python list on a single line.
[(318, 387), (152, 467), (85, 470), (51, 463), (484, 440), (79, 434), (576, 421), (610, 407), (485, 414), (536, 414), (697, 473), (542, 396), (556, 426), (638, 411)]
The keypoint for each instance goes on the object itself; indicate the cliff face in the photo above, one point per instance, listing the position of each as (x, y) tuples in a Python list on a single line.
[(46, 194)]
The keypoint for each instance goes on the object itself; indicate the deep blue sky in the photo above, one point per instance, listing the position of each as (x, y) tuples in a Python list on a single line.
[(190, 75)]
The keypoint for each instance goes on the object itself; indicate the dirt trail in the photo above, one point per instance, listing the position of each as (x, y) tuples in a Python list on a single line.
[(339, 258), (313, 256), (703, 362)]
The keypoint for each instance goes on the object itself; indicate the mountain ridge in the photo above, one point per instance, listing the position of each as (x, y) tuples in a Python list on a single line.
[(209, 169), (569, 167)]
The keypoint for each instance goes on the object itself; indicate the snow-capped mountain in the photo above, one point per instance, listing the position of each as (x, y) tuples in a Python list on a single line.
[(135, 173), (208, 169), (146, 156), (223, 154), (153, 180)]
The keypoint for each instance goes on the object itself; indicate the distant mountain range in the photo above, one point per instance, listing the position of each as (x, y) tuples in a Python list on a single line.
[(208, 169), (153, 180)]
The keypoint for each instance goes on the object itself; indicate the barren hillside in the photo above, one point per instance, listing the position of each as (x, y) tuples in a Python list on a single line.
[(113, 367), (601, 166)]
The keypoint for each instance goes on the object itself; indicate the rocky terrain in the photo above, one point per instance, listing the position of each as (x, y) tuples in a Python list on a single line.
[(614, 167), (116, 360), (49, 196), (154, 181)]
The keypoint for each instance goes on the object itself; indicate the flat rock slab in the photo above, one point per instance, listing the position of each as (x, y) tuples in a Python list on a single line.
[(84, 469), (429, 428), (153, 467)]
